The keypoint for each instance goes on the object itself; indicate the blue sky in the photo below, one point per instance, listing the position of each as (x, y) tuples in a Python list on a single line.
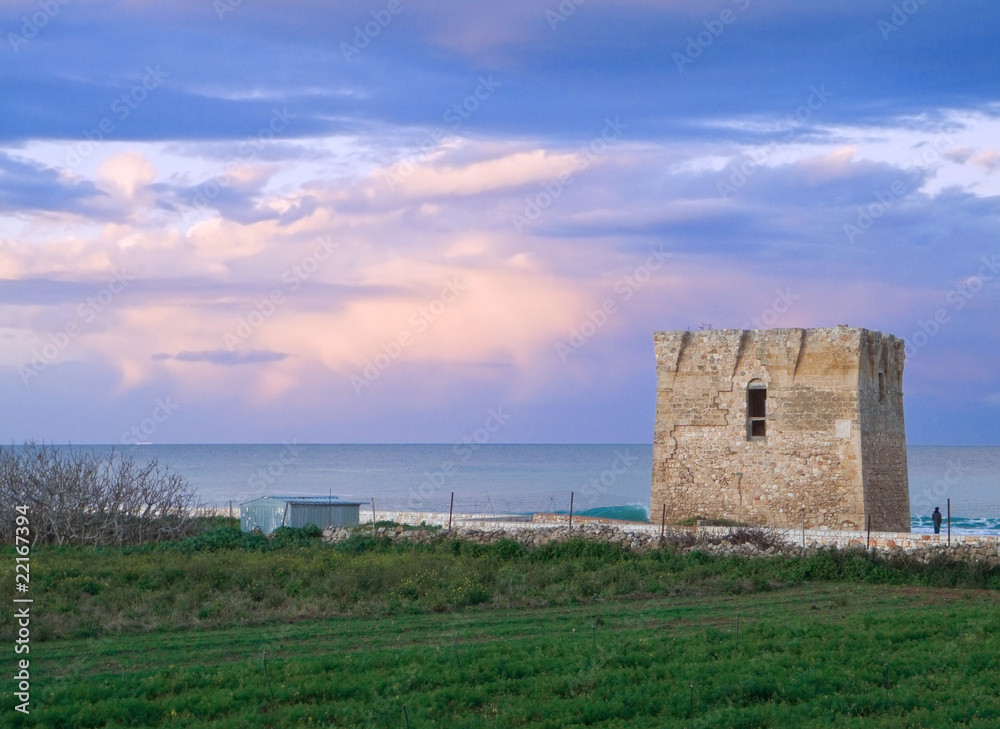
[(373, 222)]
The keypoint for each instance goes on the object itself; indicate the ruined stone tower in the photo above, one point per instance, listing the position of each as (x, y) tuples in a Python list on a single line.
[(770, 426)]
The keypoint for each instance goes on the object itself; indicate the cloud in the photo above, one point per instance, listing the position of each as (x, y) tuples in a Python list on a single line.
[(224, 357), (615, 58), (27, 186), (305, 253), (988, 159), (959, 154), (127, 173), (511, 170)]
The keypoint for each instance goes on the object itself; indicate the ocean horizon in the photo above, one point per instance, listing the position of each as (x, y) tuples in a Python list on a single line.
[(610, 480)]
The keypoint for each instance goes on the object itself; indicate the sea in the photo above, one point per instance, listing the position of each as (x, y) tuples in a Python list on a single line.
[(601, 480)]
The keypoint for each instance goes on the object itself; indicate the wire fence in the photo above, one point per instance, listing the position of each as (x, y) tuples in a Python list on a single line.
[(962, 517)]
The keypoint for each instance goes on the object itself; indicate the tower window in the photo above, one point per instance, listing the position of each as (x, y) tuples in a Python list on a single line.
[(756, 409)]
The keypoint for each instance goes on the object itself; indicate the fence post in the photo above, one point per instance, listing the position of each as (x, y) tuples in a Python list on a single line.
[(451, 509), (373, 516), (570, 509), (868, 541), (949, 522), (663, 520), (803, 510)]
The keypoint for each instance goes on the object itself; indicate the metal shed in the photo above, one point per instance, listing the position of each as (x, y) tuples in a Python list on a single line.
[(271, 512)]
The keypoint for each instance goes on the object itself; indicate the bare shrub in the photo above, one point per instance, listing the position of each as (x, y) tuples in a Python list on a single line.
[(679, 539), (761, 537), (77, 497)]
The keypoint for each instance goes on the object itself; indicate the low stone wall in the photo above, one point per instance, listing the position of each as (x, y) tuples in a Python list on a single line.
[(217, 511), (809, 538), (564, 519), (889, 540), (437, 518), (527, 534), (717, 540)]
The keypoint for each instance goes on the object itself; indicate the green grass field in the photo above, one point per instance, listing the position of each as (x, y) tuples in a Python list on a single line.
[(566, 636)]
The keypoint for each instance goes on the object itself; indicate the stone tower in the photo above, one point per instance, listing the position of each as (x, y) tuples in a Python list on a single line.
[(773, 426)]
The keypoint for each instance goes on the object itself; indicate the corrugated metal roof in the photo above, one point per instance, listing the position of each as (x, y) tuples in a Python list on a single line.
[(324, 500)]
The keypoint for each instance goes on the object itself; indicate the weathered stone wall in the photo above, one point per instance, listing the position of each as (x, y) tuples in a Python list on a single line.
[(810, 465), (717, 540), (883, 435)]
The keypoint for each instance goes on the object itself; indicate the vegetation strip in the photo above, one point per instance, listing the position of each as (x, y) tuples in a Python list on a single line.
[(811, 655), (233, 630)]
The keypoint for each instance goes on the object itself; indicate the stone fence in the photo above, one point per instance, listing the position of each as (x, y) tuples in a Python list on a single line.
[(544, 528), (436, 518)]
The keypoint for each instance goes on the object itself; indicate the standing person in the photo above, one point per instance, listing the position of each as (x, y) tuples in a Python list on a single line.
[(936, 518)]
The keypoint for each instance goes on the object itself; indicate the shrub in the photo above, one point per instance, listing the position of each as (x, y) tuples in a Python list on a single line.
[(76, 497), (220, 538), (507, 549), (594, 552)]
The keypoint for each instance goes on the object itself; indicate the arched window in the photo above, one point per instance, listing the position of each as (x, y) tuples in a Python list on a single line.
[(756, 409)]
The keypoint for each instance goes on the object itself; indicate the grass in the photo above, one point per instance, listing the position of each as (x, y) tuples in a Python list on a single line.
[(809, 656), (225, 577), (228, 629)]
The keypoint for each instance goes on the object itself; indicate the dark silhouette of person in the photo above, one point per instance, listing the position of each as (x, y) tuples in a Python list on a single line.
[(936, 518)]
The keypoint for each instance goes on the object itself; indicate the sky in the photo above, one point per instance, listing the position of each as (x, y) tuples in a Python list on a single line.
[(233, 221)]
